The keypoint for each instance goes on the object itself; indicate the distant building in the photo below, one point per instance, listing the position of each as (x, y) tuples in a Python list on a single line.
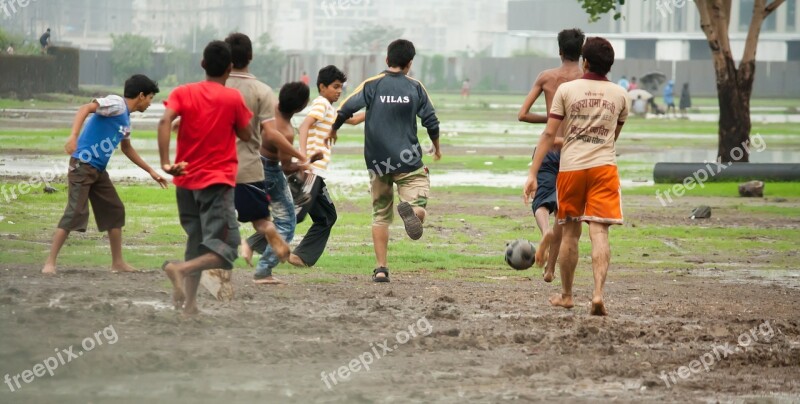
[(653, 29)]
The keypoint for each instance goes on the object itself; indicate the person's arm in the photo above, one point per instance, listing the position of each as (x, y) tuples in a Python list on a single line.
[(77, 124), (133, 156), (524, 114), (357, 119), (304, 128), (271, 135), (352, 104), (427, 115), (623, 116), (164, 134)]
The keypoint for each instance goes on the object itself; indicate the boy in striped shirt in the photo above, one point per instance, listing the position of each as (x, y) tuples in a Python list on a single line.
[(313, 131)]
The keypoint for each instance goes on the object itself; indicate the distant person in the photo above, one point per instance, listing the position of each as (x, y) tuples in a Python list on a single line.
[(465, 88), (305, 79), (686, 100), (669, 97), (639, 106), (392, 152), (544, 201), (10, 49), (624, 83), (90, 150), (633, 86), (204, 172), (44, 41)]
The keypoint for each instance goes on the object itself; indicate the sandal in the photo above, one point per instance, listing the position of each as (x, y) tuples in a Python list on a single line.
[(380, 270)]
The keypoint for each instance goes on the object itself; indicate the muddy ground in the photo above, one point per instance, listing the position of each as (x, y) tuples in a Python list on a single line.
[(467, 341)]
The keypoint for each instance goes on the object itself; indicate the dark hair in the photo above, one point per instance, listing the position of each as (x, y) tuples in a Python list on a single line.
[(600, 55), (328, 74), (139, 83), (293, 97), (400, 53), (570, 42), (241, 49), (216, 58)]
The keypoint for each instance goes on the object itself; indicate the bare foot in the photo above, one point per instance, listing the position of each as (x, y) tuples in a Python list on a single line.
[(176, 277), (191, 311), (270, 280), (562, 300), (297, 261), (123, 267), (549, 274), (280, 248), (598, 308), (543, 252), (247, 253), (49, 269)]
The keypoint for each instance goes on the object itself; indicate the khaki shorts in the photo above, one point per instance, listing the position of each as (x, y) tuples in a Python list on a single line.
[(412, 187), (88, 185)]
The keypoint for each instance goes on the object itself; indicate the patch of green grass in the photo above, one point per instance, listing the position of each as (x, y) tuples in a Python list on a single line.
[(717, 189)]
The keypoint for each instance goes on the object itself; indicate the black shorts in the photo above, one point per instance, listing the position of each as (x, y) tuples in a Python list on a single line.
[(252, 201), (546, 183)]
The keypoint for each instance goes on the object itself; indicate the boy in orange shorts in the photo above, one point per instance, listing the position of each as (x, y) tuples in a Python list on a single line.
[(591, 111)]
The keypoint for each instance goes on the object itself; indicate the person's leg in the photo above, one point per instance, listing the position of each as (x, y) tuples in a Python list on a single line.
[(323, 213), (554, 247), (569, 261), (59, 238), (76, 214), (601, 253), (380, 242), (279, 247), (571, 187), (542, 215), (413, 189), (185, 277), (284, 219), (381, 190), (603, 208), (109, 213), (544, 203)]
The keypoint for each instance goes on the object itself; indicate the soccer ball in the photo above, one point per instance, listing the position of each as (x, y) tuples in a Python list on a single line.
[(520, 254)]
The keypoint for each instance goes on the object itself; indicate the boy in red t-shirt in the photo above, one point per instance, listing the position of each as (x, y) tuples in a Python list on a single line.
[(212, 117)]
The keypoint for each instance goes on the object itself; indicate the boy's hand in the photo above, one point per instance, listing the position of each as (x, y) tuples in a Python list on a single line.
[(176, 125), (331, 139), (437, 155), (175, 170), (316, 157), (530, 189), (159, 179), (71, 145)]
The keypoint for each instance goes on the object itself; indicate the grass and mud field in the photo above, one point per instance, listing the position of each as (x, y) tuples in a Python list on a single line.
[(700, 310)]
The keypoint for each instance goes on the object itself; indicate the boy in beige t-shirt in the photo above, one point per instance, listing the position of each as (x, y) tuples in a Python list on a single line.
[(591, 112)]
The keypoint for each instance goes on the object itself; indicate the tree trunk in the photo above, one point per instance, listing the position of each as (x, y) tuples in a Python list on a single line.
[(734, 89)]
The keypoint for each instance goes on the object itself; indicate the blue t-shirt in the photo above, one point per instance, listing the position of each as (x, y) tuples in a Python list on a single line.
[(103, 132)]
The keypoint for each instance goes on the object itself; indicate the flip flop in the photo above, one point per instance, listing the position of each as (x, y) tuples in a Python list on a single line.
[(381, 270)]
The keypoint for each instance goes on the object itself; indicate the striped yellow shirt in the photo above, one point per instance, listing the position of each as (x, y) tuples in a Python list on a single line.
[(325, 114)]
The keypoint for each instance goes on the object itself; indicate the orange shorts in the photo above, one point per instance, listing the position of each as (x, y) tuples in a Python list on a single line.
[(590, 195)]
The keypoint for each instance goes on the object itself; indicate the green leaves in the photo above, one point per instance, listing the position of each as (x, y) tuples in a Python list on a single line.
[(597, 8), (130, 54)]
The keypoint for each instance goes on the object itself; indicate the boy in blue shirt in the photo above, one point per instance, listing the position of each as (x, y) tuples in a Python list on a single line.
[(88, 179)]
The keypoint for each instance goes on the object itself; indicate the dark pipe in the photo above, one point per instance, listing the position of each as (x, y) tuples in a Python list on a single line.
[(671, 173)]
